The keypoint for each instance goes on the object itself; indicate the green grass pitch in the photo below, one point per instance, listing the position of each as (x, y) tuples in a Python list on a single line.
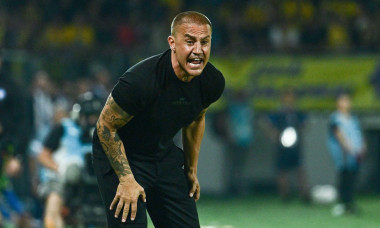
[(268, 211)]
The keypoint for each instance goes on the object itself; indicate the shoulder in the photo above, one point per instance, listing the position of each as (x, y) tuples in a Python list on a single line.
[(212, 83), (52, 140), (143, 74), (148, 65), (57, 130), (213, 79), (212, 73), (138, 85)]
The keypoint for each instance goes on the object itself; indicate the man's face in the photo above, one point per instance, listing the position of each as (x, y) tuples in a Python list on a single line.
[(191, 45), (344, 103)]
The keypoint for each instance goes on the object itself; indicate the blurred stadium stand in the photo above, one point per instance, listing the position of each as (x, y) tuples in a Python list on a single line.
[(73, 34)]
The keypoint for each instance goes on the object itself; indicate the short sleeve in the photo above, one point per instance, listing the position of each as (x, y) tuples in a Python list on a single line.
[(215, 89), (131, 93), (53, 139)]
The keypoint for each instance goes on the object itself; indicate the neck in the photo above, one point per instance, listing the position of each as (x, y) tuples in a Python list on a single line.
[(178, 71)]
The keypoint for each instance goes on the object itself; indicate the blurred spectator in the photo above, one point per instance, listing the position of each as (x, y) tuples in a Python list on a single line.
[(347, 147), (62, 156), (235, 128), (286, 131), (11, 107), (102, 86), (11, 121), (14, 118), (61, 144), (337, 35), (43, 106), (12, 210), (42, 121), (240, 140)]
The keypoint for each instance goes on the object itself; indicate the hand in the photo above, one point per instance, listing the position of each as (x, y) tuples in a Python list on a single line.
[(195, 189), (362, 155), (127, 195)]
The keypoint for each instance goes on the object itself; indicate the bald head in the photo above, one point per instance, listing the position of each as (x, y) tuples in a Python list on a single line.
[(189, 17)]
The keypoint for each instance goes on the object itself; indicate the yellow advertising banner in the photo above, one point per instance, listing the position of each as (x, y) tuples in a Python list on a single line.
[(315, 80)]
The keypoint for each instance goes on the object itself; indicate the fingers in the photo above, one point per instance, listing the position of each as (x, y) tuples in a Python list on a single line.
[(195, 191), (120, 205), (126, 211), (143, 196), (197, 194), (192, 190), (126, 205), (114, 202), (133, 210)]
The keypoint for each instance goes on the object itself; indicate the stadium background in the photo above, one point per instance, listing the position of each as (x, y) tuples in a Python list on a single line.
[(316, 47)]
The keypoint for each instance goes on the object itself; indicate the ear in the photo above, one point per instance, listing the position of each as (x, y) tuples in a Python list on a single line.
[(171, 42)]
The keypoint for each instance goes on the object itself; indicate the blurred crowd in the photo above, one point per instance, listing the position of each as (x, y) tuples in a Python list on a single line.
[(29, 115), (238, 26), (68, 38)]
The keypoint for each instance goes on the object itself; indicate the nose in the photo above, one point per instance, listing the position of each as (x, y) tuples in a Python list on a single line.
[(197, 48)]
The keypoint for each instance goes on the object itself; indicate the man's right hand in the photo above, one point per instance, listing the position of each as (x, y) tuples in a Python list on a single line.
[(127, 195)]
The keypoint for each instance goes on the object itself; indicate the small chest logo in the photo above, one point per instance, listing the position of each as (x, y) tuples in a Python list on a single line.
[(181, 101)]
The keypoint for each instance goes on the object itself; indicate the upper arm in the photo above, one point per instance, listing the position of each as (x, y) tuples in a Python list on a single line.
[(198, 120), (214, 88), (112, 115), (133, 92)]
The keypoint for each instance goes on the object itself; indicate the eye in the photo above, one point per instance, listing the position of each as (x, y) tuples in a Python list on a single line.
[(189, 42), (204, 42)]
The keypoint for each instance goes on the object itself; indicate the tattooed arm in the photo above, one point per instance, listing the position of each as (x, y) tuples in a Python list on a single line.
[(191, 138), (112, 118)]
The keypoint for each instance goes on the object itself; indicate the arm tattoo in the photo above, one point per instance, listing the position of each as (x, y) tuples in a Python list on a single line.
[(112, 118), (106, 133)]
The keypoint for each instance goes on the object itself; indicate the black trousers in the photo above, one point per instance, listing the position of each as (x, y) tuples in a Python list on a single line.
[(166, 187), (347, 183)]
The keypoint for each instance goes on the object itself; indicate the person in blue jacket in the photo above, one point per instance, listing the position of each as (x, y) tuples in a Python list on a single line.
[(347, 146)]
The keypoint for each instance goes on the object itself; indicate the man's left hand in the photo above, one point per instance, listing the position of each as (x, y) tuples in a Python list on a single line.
[(195, 189)]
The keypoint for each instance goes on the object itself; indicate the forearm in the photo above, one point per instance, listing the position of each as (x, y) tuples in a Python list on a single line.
[(114, 149), (191, 139), (112, 118)]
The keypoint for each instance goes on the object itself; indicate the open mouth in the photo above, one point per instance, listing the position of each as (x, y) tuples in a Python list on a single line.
[(195, 62)]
